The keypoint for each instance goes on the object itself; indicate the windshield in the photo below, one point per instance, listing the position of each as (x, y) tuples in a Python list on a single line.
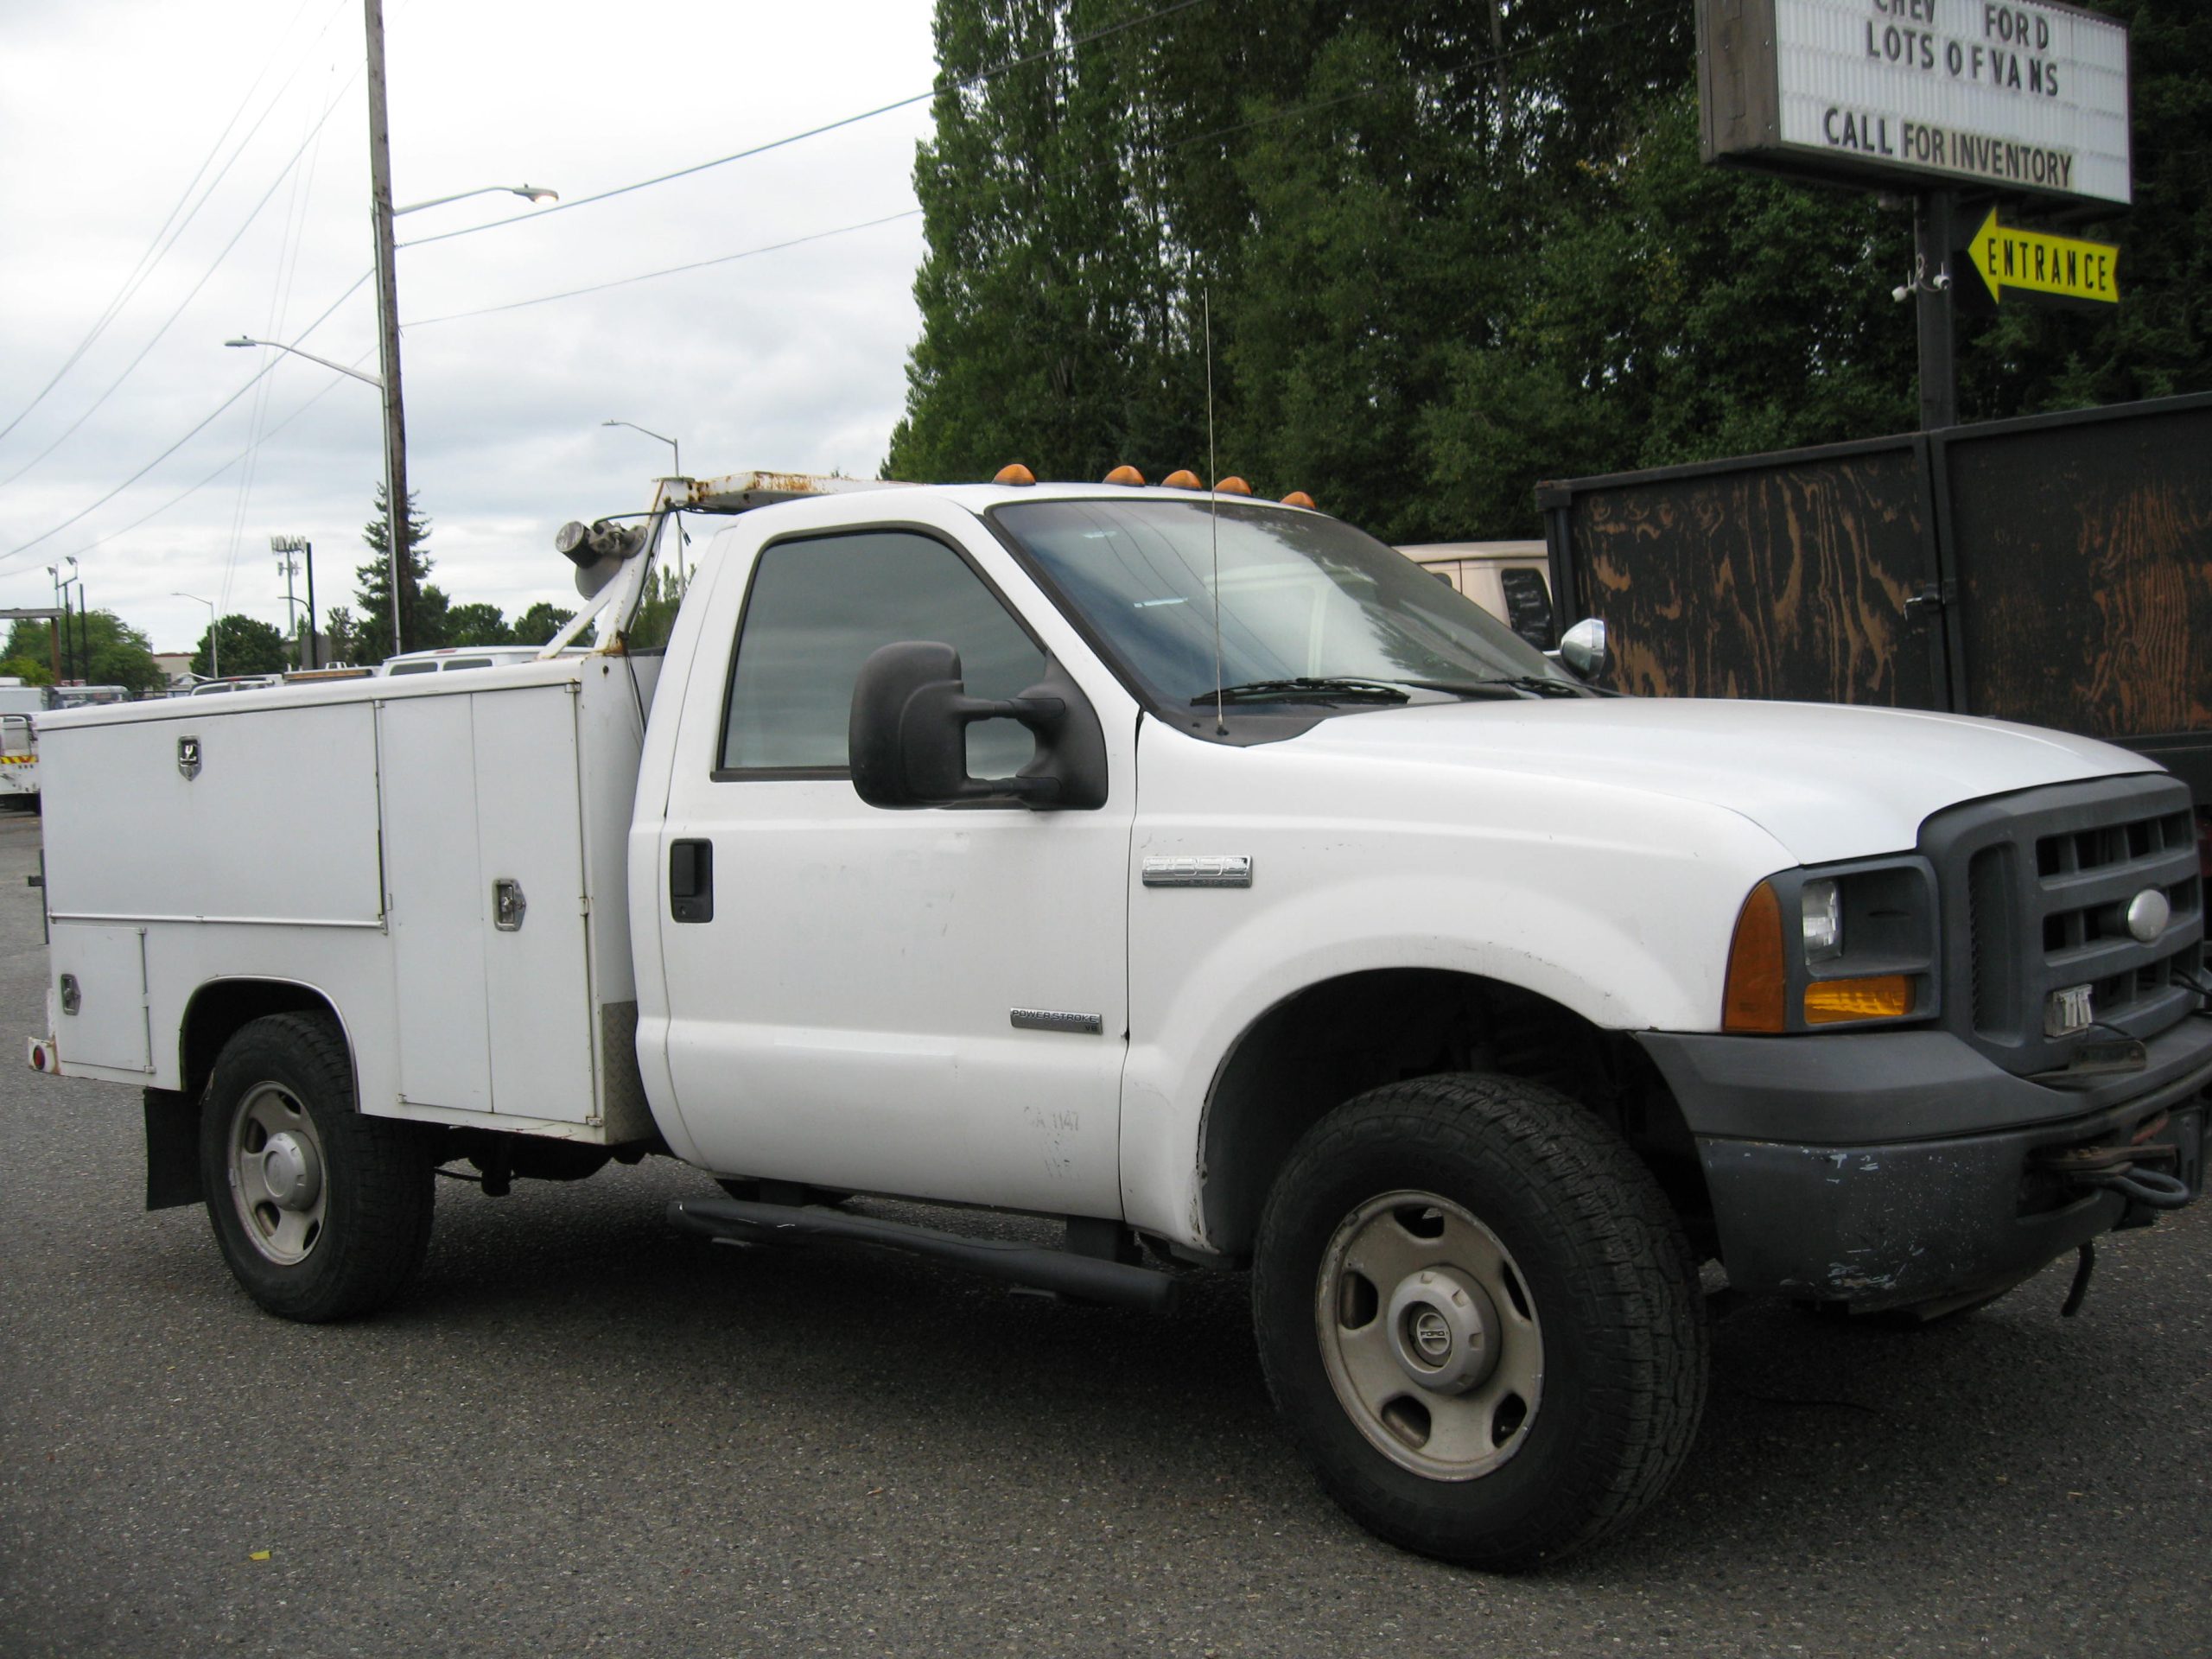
[(1304, 598)]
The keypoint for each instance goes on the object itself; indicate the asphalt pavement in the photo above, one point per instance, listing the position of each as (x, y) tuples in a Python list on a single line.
[(584, 1433)]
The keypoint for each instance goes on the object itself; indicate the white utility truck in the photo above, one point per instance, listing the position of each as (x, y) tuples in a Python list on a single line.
[(20, 706), (1191, 868)]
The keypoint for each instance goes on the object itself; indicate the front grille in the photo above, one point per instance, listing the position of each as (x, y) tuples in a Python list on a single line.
[(2036, 893)]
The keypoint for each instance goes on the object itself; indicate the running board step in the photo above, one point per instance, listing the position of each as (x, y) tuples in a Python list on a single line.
[(1087, 1276)]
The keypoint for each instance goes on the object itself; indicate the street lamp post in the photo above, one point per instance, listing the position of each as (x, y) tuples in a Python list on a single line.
[(54, 636), (677, 463), (214, 643)]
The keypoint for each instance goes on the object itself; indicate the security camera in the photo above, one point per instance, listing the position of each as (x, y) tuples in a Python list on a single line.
[(1902, 292)]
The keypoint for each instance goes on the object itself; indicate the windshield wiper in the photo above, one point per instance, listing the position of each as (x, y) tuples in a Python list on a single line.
[(1536, 684), (1317, 688)]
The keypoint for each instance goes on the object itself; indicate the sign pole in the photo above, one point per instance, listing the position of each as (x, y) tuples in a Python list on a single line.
[(1935, 291)]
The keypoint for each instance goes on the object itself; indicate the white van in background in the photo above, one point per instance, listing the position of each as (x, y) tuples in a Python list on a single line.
[(1510, 580)]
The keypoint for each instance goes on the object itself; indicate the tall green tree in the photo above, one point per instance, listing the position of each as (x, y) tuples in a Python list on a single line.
[(118, 653), (422, 607), (477, 624), (1449, 250), (538, 625), (243, 645)]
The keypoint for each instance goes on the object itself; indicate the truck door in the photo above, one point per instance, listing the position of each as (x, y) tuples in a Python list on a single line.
[(928, 1003)]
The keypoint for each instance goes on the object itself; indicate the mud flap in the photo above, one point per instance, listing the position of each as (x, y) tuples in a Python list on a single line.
[(172, 1150)]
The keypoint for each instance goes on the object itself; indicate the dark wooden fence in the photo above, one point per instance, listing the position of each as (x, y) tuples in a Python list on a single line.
[(2056, 570)]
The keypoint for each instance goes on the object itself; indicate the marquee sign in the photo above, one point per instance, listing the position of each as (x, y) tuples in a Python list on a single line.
[(2028, 96)]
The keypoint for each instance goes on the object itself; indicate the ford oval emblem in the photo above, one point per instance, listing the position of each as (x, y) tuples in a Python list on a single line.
[(2147, 914)]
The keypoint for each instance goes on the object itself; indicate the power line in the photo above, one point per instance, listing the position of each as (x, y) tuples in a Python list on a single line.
[(976, 80), (156, 250), (328, 388), (196, 431), (130, 367), (672, 270)]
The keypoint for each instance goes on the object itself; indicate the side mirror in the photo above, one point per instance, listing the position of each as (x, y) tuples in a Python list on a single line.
[(907, 738), (1583, 650)]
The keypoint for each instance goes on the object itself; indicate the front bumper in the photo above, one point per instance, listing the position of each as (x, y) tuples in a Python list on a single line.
[(1886, 1168)]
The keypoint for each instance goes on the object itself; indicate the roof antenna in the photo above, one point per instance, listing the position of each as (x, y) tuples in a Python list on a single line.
[(1213, 519)]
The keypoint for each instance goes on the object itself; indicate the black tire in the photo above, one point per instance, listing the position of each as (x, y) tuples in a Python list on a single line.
[(328, 1232), (1583, 1258)]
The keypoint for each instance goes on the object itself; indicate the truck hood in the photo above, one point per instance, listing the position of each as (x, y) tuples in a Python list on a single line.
[(1828, 782)]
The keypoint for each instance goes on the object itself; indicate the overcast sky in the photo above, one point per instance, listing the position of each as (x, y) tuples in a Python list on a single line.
[(110, 109)]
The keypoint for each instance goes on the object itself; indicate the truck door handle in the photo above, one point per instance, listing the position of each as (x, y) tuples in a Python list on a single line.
[(691, 880)]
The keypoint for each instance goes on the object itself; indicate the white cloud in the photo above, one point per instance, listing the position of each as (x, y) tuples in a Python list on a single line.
[(793, 358)]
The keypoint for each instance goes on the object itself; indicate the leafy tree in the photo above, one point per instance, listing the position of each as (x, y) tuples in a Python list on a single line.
[(1449, 250), (477, 624), (538, 625), (29, 673), (245, 646), (422, 609), (119, 654), (339, 635), (655, 615)]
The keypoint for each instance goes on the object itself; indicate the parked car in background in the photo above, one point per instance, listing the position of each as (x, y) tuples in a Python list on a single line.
[(446, 658)]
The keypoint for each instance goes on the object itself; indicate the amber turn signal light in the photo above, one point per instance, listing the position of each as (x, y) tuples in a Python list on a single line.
[(1753, 998), (1886, 996)]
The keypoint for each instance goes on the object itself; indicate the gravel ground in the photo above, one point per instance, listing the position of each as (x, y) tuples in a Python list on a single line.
[(584, 1433)]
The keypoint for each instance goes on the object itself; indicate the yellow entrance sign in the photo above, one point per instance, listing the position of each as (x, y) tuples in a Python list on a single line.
[(2061, 267)]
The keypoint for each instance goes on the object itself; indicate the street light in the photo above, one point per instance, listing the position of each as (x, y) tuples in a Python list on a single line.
[(279, 345), (215, 646), (533, 192), (678, 461)]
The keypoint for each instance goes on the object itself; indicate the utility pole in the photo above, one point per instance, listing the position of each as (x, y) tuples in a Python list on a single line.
[(289, 565), (395, 424), (83, 636), (54, 638), (289, 545)]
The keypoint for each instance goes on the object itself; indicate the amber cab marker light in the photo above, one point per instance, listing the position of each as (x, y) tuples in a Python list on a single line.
[(1298, 498), (1125, 474), (1181, 479), (1887, 997), (1756, 979), (1014, 473), (1232, 485)]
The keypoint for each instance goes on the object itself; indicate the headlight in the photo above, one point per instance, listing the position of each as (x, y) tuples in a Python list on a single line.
[(1822, 904), (1850, 944)]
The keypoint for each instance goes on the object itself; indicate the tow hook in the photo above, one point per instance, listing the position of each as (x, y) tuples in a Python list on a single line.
[(2119, 1168)]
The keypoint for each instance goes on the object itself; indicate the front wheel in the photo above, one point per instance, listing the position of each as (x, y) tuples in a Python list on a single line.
[(1479, 1319), (321, 1212)]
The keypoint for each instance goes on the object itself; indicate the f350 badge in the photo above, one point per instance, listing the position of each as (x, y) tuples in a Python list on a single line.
[(188, 757)]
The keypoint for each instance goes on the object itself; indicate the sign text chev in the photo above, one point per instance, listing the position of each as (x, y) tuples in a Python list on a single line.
[(2027, 95)]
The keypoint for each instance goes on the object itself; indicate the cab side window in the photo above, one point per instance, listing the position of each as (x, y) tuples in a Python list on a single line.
[(817, 609)]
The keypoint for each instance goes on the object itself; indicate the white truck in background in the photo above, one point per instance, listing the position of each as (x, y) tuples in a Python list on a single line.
[(1191, 869), (20, 705)]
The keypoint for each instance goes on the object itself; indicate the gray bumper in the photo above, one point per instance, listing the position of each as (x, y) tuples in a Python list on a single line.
[(1891, 1167)]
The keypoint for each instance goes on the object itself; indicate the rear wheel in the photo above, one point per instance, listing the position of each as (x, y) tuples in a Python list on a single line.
[(1479, 1319), (322, 1213)]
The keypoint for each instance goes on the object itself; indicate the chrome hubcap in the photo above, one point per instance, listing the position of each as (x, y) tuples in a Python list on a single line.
[(276, 1170), (1428, 1335)]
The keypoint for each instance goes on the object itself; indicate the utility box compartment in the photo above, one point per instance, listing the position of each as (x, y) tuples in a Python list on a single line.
[(441, 858)]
